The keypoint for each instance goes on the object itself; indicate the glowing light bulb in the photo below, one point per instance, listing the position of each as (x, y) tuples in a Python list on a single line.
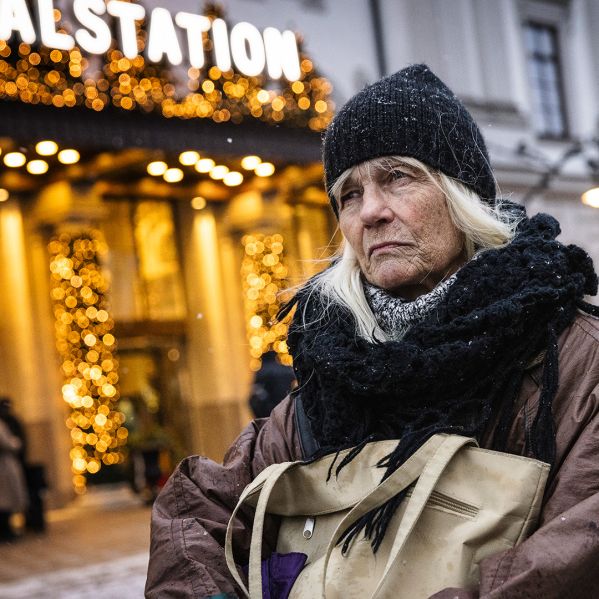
[(37, 167), (233, 179), (46, 148), (591, 197), (219, 171), (266, 169), (173, 175), (69, 156), (198, 203), (15, 159), (189, 158), (249, 163), (157, 168), (205, 165)]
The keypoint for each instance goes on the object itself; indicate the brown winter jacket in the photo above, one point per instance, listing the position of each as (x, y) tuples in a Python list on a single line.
[(559, 561)]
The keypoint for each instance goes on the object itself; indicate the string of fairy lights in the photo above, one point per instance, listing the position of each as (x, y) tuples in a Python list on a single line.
[(264, 276), (40, 75), (87, 348), (204, 165)]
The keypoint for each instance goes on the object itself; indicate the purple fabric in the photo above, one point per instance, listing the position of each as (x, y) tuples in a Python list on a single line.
[(279, 573)]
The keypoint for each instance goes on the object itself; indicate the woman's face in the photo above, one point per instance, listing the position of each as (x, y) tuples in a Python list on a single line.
[(397, 222)]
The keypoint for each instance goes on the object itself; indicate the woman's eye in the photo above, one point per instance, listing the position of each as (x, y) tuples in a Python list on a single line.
[(349, 195), (396, 175)]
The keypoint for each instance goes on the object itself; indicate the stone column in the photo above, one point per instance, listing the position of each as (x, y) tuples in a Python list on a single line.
[(214, 366), (29, 366)]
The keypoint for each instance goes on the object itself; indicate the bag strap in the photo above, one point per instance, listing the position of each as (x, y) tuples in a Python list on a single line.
[(308, 443), (403, 477), (229, 545), (439, 450), (255, 566), (427, 481)]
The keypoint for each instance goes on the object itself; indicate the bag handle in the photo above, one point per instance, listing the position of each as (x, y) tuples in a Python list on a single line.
[(403, 477), (427, 481), (255, 567)]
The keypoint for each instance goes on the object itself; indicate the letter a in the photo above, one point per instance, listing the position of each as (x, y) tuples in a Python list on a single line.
[(14, 16), (163, 38)]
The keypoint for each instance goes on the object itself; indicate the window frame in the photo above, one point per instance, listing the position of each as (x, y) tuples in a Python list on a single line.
[(553, 16)]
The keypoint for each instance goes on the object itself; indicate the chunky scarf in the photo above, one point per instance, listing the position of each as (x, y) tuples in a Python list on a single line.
[(395, 315), (457, 370)]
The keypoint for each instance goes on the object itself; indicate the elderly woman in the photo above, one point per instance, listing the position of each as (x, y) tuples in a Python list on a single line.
[(447, 310)]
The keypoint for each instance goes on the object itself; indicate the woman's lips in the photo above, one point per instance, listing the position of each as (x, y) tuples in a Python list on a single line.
[(385, 246)]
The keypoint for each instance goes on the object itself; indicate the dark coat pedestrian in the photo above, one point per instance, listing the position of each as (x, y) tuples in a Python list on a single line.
[(35, 476), (272, 384), (13, 491)]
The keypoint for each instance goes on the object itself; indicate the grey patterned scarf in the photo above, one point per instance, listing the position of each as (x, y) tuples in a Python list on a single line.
[(396, 315)]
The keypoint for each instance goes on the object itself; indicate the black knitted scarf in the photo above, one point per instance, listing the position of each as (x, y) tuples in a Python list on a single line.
[(457, 371)]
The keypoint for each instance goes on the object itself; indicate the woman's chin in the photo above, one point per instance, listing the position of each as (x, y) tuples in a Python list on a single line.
[(391, 280)]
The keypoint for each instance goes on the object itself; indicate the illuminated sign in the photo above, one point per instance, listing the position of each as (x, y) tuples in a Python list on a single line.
[(251, 51)]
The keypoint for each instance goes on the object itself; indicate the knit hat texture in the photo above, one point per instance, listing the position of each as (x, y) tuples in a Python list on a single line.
[(411, 113)]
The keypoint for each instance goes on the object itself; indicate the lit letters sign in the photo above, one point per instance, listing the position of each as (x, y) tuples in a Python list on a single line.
[(251, 51)]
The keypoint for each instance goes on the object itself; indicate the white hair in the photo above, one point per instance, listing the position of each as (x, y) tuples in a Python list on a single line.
[(483, 226)]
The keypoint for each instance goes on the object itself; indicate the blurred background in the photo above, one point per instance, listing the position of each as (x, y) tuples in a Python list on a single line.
[(154, 205)]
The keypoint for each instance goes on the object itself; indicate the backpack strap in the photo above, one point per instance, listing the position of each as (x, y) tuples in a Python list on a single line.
[(308, 443)]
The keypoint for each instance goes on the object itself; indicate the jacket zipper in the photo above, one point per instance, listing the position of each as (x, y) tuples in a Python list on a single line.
[(436, 499), (309, 528), (449, 503)]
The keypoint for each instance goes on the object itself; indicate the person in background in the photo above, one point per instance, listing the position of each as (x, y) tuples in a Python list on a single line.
[(272, 383), (35, 474), (13, 490)]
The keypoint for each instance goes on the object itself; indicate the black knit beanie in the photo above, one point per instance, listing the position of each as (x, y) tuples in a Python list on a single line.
[(411, 113)]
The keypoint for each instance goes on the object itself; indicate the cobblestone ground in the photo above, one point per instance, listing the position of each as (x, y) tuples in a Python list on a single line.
[(98, 548)]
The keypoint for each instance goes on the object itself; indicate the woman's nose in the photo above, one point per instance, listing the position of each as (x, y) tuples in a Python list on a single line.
[(375, 208)]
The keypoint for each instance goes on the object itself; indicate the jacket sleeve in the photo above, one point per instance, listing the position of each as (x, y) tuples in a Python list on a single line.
[(190, 516), (558, 561), (8, 442)]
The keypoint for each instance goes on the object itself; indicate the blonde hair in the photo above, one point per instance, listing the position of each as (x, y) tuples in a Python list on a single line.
[(483, 226)]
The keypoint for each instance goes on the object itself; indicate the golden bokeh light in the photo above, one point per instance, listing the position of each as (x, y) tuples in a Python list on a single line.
[(218, 172), (173, 175), (265, 169), (157, 168), (4, 194), (58, 78), (198, 203), (61, 78), (205, 165), (46, 148), (264, 276), (189, 158), (69, 156), (249, 163), (233, 178), (37, 167), (86, 346), (591, 197), (263, 96), (14, 159)]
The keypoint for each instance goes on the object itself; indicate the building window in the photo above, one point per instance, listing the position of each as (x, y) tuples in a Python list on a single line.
[(549, 115)]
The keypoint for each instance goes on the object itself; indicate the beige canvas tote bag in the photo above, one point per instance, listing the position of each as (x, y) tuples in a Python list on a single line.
[(467, 504)]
